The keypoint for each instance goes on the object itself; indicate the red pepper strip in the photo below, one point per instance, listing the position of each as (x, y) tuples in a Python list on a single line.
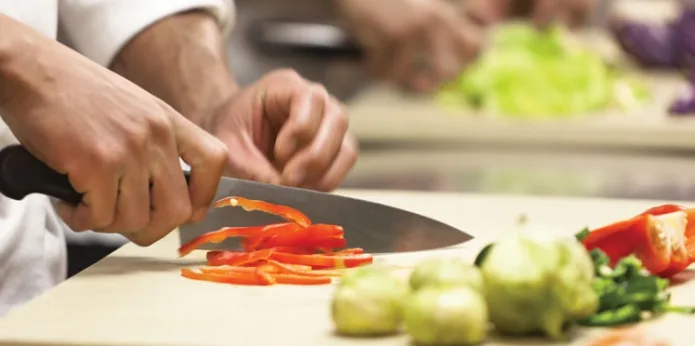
[(305, 237), (330, 243), (352, 251), (233, 258), (253, 243), (301, 280), (322, 260), (236, 279), (263, 275), (227, 232), (288, 269), (289, 214)]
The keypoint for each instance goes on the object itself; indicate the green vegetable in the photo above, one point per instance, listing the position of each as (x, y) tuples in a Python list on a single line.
[(482, 255), (531, 73), (538, 285), (446, 316), (368, 302), (443, 272), (628, 293)]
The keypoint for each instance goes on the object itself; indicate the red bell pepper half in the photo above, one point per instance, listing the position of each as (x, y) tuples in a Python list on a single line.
[(289, 214), (661, 237)]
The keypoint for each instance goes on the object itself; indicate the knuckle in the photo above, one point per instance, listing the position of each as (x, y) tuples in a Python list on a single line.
[(159, 127), (317, 161), (287, 74), (218, 153)]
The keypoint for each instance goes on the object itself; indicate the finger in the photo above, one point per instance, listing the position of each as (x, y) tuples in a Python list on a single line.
[(133, 205), (341, 166), (247, 161), (98, 206), (445, 64), (312, 162), (546, 11), (306, 111), (487, 12), (468, 42), (207, 157)]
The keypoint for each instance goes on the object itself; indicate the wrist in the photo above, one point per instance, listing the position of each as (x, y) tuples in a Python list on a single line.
[(21, 61)]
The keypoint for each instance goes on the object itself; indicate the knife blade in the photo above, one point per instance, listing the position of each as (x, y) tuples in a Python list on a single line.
[(377, 228)]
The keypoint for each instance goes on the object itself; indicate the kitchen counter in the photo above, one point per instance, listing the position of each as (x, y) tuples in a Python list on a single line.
[(135, 296)]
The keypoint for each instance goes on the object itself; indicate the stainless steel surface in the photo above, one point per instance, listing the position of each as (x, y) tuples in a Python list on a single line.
[(374, 227), (664, 176)]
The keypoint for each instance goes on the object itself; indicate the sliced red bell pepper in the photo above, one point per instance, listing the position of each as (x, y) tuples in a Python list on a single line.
[(290, 269), (288, 213), (235, 258), (323, 261), (254, 242), (228, 232), (308, 237), (292, 279), (236, 279), (352, 251)]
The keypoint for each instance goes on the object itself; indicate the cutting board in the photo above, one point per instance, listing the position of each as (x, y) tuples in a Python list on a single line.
[(384, 113), (135, 297)]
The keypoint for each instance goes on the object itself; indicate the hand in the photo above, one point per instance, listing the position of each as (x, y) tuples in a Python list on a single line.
[(418, 43), (285, 130), (573, 13), (113, 140)]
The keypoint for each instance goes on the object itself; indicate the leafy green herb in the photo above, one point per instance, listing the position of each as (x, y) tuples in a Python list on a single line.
[(582, 234), (628, 293)]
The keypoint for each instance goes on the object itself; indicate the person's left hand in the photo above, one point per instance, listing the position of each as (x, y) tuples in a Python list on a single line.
[(285, 130)]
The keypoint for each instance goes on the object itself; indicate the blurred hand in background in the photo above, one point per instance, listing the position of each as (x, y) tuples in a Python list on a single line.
[(419, 44), (573, 13)]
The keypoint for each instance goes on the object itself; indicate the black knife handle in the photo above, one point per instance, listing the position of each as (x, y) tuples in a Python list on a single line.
[(22, 174)]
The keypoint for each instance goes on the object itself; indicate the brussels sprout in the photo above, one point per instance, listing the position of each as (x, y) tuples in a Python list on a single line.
[(367, 301), (446, 316), (446, 272), (538, 285)]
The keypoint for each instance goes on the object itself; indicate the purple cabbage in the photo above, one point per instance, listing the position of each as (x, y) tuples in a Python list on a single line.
[(685, 103), (651, 44), (685, 28)]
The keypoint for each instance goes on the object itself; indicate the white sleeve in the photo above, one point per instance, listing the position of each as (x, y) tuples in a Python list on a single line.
[(100, 28)]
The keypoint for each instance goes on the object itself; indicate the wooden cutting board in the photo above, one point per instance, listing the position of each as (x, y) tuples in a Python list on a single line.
[(135, 297)]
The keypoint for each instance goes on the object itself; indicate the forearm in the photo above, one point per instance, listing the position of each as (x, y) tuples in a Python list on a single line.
[(22, 65), (180, 59)]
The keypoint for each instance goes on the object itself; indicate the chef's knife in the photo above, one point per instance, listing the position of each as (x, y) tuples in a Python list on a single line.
[(376, 228)]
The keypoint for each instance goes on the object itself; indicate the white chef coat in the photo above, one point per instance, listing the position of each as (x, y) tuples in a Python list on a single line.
[(32, 244)]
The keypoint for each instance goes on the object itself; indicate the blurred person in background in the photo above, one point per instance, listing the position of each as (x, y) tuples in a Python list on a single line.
[(114, 136), (422, 44)]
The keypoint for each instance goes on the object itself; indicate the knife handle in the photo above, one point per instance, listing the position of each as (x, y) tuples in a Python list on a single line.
[(22, 174)]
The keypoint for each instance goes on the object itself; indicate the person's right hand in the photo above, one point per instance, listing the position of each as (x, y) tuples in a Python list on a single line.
[(112, 139), (417, 43)]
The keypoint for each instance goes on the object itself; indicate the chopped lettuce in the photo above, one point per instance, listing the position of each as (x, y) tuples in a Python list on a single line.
[(527, 73)]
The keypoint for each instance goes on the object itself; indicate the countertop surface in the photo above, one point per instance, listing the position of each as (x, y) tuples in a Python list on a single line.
[(136, 297)]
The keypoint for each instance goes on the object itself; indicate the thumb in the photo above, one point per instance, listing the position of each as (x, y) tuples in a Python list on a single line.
[(245, 161)]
